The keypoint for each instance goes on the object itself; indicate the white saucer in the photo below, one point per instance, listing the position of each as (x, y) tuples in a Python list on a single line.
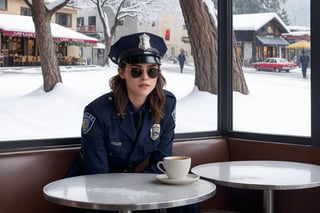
[(163, 178)]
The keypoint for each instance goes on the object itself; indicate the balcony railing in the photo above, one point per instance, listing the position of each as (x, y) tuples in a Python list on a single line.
[(86, 29)]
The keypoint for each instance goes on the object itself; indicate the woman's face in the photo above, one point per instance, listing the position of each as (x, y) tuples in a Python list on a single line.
[(140, 79)]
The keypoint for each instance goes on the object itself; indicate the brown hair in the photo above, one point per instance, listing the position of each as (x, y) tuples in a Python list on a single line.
[(156, 97)]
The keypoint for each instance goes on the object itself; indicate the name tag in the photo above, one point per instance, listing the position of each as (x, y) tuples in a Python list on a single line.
[(116, 143)]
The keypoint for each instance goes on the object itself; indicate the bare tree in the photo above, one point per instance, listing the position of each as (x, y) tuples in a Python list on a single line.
[(202, 31), (42, 14)]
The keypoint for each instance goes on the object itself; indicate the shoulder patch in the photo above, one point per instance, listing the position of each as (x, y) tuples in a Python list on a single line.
[(87, 123)]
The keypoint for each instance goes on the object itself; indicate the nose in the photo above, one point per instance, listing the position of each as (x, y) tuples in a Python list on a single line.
[(144, 74)]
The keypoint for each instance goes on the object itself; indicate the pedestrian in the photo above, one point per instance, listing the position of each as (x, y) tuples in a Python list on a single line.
[(181, 59), (136, 120), (304, 61)]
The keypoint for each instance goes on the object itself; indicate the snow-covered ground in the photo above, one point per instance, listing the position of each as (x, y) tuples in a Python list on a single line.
[(278, 103)]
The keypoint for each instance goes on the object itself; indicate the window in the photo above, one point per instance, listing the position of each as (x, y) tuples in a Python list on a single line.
[(80, 21), (92, 20), (239, 117), (64, 19), (279, 102), (120, 22), (25, 11), (3, 5)]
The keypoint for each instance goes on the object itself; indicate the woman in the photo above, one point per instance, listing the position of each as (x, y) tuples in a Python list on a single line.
[(136, 120)]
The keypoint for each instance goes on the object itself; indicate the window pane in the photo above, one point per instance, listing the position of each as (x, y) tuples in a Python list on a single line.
[(63, 19), (279, 98), (25, 11), (92, 20), (30, 113), (3, 4)]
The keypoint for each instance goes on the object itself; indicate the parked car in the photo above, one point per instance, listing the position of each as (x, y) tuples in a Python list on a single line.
[(274, 64)]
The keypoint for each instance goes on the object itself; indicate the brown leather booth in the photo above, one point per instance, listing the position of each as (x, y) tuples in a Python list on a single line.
[(24, 173)]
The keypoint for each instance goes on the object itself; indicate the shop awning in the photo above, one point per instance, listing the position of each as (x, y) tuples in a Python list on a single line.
[(272, 40), (23, 26), (302, 44)]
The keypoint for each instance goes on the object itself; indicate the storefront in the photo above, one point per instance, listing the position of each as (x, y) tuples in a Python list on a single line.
[(19, 47), (259, 36), (270, 46)]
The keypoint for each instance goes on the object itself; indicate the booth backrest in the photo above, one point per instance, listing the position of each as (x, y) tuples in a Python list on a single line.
[(24, 173)]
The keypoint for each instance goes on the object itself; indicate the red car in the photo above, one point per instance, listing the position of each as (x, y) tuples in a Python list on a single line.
[(274, 64)]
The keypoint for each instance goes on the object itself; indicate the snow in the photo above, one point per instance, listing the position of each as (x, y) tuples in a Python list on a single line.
[(244, 21), (278, 103)]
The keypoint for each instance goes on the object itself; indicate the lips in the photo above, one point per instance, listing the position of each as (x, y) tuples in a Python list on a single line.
[(144, 85)]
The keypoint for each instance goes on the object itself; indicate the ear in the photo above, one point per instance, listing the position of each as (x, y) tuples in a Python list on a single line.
[(121, 73)]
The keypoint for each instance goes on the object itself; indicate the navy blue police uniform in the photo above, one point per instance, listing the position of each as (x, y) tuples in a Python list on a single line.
[(114, 143)]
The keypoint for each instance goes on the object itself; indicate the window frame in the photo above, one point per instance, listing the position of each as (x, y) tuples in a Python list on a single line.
[(225, 79)]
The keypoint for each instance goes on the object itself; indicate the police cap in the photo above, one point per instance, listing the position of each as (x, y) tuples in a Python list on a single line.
[(138, 48)]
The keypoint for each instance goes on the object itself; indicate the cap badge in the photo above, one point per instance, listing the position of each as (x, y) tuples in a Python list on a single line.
[(144, 42)]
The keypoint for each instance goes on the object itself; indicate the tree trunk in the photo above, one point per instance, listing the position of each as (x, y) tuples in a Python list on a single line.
[(107, 43), (49, 64), (238, 81), (203, 36)]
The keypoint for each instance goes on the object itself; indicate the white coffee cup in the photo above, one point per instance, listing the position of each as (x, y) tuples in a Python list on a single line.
[(175, 167)]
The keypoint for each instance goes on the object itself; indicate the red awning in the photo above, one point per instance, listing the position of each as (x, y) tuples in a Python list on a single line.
[(23, 26)]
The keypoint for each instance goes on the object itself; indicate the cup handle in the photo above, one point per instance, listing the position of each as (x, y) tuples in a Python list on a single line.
[(159, 166)]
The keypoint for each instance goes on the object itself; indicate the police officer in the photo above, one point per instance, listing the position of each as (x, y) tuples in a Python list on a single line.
[(136, 120)]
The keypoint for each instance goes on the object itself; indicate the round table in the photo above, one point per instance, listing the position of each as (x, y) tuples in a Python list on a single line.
[(125, 192), (261, 175)]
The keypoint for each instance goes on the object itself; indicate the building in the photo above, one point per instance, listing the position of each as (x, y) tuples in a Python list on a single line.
[(18, 44), (167, 26), (259, 36), (296, 34)]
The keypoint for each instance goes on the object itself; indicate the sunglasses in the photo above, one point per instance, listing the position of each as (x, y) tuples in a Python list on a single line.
[(137, 72)]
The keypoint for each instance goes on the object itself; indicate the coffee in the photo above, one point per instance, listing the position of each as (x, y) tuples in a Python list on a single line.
[(175, 167)]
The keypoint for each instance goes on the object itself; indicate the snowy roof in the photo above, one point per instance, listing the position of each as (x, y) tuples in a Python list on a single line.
[(255, 21), (298, 32), (23, 26)]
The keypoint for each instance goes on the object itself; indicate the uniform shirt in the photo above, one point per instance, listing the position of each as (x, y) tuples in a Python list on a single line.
[(112, 144)]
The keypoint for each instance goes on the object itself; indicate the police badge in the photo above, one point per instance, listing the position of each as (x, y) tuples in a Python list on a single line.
[(155, 132), (144, 43)]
